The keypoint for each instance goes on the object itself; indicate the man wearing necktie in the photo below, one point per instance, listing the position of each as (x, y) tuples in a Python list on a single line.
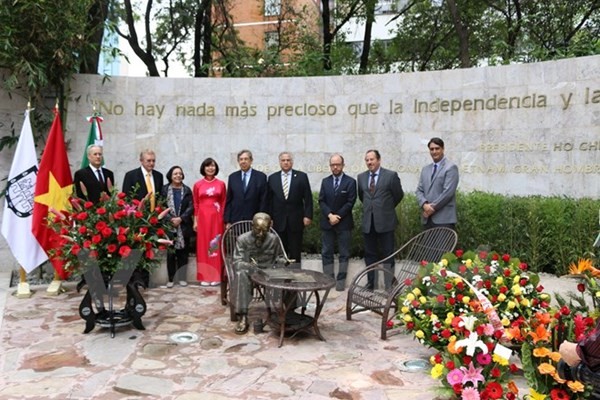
[(290, 204), (436, 190), (246, 191), (380, 191), (336, 200), (94, 179), (138, 183)]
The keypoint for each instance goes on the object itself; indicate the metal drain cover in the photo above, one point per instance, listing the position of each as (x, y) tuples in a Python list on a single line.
[(183, 337), (416, 365)]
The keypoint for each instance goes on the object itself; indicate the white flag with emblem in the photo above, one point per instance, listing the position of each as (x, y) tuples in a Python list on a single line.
[(18, 204)]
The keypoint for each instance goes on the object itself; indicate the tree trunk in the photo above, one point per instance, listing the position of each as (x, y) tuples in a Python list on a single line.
[(96, 18), (364, 56), (327, 36), (462, 33)]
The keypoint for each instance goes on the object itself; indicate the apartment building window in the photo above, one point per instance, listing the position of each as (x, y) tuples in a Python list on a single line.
[(388, 6), (272, 7), (271, 40)]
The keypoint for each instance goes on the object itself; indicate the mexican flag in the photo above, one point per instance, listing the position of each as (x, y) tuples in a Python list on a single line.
[(94, 137)]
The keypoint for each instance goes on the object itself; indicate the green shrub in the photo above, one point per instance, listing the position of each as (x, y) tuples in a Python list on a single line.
[(548, 233)]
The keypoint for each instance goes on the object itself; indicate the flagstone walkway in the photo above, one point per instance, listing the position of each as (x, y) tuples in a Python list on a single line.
[(45, 355)]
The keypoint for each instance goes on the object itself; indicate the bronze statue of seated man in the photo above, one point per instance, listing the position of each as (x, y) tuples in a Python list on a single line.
[(258, 248)]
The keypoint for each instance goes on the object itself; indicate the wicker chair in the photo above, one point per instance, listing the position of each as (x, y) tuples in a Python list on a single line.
[(429, 245), (228, 241)]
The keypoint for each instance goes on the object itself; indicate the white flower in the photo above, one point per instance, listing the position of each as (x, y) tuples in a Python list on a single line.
[(468, 321), (472, 343)]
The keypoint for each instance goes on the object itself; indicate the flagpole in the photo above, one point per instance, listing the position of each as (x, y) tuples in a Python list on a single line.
[(23, 291)]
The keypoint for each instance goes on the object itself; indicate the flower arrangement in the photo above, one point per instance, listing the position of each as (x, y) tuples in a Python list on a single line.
[(543, 334), (539, 354), (462, 283), (473, 365), (110, 230)]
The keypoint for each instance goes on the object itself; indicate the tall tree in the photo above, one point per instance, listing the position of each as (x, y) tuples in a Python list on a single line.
[(41, 44), (95, 30), (333, 21), (146, 53)]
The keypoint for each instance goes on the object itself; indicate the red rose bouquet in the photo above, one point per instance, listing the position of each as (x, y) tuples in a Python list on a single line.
[(108, 232)]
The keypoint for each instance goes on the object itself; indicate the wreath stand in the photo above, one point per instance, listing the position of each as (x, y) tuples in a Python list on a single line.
[(101, 286)]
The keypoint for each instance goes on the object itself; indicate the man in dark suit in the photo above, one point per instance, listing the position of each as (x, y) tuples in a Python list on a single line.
[(380, 191), (290, 205), (436, 191), (137, 184), (246, 191), (336, 199), (94, 179), (141, 181)]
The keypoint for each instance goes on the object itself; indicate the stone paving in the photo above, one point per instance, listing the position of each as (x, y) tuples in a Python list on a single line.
[(45, 355)]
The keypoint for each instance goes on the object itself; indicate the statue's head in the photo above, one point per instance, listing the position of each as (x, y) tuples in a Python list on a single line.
[(261, 223)]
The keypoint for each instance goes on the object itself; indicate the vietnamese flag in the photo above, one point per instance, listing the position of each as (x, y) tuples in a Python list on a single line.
[(52, 190)]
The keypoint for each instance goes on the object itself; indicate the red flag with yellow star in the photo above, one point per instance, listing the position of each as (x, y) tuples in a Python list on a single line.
[(53, 187)]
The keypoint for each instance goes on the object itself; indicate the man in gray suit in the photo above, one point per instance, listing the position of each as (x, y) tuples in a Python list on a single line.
[(380, 191), (436, 191)]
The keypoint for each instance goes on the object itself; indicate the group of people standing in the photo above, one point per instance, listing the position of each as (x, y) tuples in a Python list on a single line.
[(210, 206)]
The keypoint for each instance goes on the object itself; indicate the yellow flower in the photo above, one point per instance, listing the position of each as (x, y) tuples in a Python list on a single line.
[(516, 289), (416, 291), (499, 280), (511, 305), (444, 262), (407, 318), (410, 297), (437, 371), (499, 359), (452, 349), (405, 310), (581, 267), (433, 318), (557, 378), (466, 299), (544, 296), (554, 356), (597, 294), (535, 395), (468, 263), (576, 386), (423, 299), (546, 369), (501, 297), (420, 334), (525, 302), (505, 321), (541, 352)]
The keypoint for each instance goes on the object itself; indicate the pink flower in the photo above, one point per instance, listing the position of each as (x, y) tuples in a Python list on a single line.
[(455, 377), (472, 375), (483, 359), (470, 393), (488, 329)]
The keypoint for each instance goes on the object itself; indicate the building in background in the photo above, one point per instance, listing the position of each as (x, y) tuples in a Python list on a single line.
[(268, 24)]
